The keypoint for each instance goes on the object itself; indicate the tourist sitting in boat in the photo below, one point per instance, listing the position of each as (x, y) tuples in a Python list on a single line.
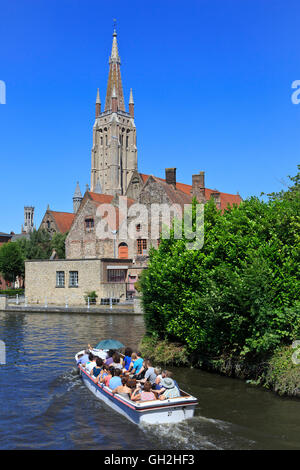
[(169, 374), (127, 359), (84, 358), (160, 377), (157, 385), (115, 381), (124, 390), (91, 363), (98, 352), (150, 374), (136, 367), (169, 389), (98, 367), (110, 374), (143, 395), (117, 362), (131, 383), (109, 359), (103, 373)]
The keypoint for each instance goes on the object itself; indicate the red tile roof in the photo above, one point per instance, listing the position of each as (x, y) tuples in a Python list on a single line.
[(101, 198), (63, 220), (225, 198), (112, 221)]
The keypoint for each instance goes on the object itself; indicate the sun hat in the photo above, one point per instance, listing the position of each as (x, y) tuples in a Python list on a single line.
[(167, 382)]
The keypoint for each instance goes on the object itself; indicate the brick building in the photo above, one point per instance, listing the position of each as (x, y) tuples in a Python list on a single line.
[(109, 263)]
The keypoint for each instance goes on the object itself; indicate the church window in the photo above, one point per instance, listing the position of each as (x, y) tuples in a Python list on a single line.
[(138, 227), (127, 141)]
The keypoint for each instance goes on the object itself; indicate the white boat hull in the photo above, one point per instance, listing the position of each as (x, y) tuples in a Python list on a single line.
[(168, 411)]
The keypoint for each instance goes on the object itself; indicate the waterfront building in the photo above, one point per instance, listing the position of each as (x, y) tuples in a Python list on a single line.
[(110, 265)]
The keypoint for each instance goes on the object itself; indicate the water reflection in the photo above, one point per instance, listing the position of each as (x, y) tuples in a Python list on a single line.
[(48, 407)]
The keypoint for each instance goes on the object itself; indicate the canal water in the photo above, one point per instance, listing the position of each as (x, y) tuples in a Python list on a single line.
[(44, 404)]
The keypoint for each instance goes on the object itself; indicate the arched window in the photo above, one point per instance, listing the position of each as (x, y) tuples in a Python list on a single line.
[(123, 251)]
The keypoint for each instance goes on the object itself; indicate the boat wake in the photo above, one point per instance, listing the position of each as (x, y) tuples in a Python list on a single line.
[(198, 433)]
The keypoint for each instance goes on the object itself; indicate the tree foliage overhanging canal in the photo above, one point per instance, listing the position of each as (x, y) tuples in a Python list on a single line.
[(238, 296)]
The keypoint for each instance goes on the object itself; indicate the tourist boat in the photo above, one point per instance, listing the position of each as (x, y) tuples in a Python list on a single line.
[(172, 410)]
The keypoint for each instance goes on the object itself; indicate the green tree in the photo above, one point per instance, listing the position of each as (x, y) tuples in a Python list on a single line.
[(239, 294), (11, 261), (58, 244), (38, 246)]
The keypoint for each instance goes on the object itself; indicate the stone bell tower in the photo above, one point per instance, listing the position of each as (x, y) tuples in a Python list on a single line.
[(28, 219), (114, 152)]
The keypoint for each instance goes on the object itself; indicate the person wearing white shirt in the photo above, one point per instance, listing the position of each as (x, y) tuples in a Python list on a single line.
[(89, 366)]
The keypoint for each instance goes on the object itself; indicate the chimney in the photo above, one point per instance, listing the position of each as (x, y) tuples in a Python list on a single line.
[(216, 196), (171, 176), (198, 186)]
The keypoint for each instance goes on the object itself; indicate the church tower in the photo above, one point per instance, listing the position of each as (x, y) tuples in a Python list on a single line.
[(114, 152), (28, 219)]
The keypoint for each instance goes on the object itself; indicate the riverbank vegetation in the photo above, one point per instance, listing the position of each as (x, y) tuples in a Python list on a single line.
[(237, 297), (39, 245)]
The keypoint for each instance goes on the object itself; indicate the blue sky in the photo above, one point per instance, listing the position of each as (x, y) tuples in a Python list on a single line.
[(211, 81)]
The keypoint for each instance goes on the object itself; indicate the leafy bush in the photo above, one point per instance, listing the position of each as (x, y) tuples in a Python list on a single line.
[(282, 375), (163, 352), (92, 296), (12, 292), (238, 294), (11, 261)]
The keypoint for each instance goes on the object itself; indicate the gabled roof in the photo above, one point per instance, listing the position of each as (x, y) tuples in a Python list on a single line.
[(63, 220), (176, 196), (6, 235), (99, 199)]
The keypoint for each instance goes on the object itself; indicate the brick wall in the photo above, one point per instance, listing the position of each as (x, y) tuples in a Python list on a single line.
[(41, 281)]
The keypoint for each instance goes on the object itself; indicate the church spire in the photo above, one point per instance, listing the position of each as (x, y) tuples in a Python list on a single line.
[(114, 50), (114, 78), (98, 104), (131, 103), (77, 198)]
